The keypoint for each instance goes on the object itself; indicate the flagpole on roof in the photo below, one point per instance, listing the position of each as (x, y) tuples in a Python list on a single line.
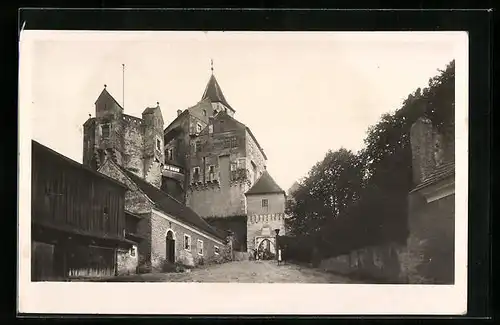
[(123, 85)]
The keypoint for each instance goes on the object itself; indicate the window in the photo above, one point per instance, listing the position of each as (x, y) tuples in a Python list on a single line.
[(211, 173), (187, 242), (198, 128), (204, 112), (105, 130), (158, 144), (241, 163), (265, 203), (197, 146), (196, 174), (199, 246), (234, 166), (227, 143), (234, 142), (170, 154), (107, 224), (133, 251), (216, 250)]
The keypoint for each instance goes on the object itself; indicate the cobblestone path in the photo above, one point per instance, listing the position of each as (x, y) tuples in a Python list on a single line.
[(243, 272)]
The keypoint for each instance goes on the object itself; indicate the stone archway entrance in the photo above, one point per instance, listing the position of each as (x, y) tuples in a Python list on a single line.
[(170, 247), (265, 248)]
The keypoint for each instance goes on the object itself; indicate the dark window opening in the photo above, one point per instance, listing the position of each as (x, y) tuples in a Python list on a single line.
[(196, 174), (105, 128), (265, 203)]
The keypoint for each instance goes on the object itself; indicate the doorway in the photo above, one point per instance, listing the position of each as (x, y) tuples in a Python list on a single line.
[(170, 247)]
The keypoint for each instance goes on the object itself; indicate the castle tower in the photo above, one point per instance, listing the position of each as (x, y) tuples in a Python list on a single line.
[(265, 212), (102, 134), (133, 143), (154, 159)]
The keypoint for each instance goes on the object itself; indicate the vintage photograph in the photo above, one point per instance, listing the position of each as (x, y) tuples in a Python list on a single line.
[(243, 157), (349, 179)]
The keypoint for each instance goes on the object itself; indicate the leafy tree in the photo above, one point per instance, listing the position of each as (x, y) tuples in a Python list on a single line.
[(349, 201), (331, 186)]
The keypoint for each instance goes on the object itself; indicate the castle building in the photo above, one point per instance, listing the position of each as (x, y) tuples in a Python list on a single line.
[(431, 210), (265, 214), (204, 159), (212, 160), (131, 150)]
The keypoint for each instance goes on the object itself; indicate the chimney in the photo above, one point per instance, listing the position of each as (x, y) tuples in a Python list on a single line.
[(422, 147), (179, 112)]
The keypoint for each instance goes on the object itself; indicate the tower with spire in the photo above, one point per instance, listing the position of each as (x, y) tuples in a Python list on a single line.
[(212, 160)]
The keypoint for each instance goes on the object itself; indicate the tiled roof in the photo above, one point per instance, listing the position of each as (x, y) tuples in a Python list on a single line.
[(171, 206), (265, 185), (440, 173), (214, 92)]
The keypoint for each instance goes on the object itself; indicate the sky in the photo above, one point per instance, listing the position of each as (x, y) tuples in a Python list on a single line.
[(301, 94)]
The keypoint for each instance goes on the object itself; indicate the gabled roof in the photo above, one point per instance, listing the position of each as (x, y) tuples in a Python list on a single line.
[(171, 206), (106, 95), (440, 173), (265, 185), (214, 93)]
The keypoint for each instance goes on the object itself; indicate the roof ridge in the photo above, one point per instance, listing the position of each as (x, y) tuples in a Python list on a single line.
[(152, 187)]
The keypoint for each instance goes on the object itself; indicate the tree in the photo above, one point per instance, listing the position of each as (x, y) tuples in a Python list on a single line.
[(349, 201), (330, 187)]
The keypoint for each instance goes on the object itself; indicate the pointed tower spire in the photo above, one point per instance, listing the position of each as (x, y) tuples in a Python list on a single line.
[(214, 92)]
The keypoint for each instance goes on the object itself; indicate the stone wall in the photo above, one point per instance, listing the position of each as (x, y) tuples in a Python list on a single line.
[(160, 227), (430, 148), (217, 200), (237, 225), (200, 113), (376, 263), (431, 244), (133, 145), (126, 263), (254, 155), (276, 203), (264, 225)]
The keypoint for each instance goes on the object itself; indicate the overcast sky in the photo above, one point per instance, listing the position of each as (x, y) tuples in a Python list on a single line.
[(300, 94)]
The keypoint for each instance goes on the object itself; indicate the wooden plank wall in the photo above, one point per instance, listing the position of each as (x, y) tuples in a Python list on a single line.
[(65, 195)]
